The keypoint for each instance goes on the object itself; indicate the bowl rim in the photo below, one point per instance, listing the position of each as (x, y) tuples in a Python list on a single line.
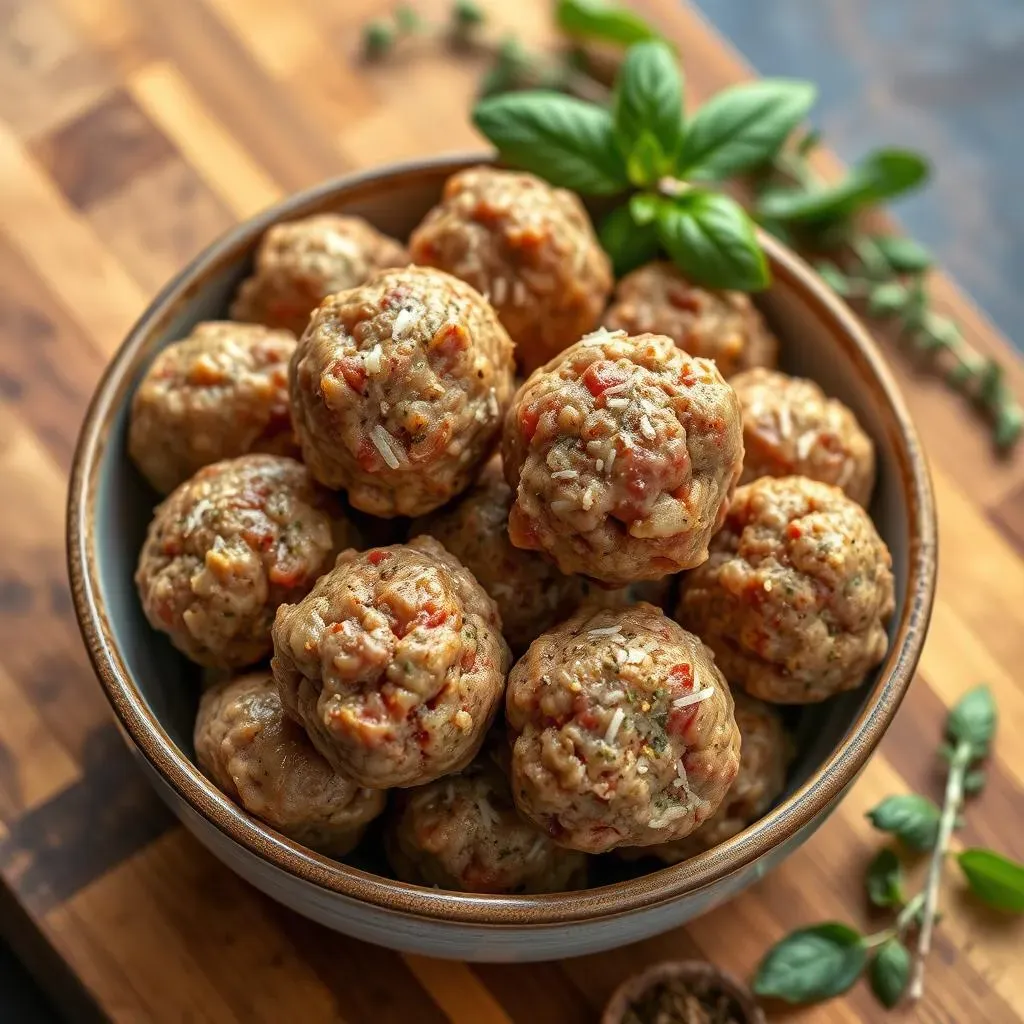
[(792, 817)]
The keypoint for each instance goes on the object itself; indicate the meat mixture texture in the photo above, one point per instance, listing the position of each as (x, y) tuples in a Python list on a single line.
[(230, 545), (767, 751), (623, 453), (464, 833), (398, 389), (526, 245), (724, 326), (791, 428), (624, 733), (394, 663), (265, 762), (219, 393), (299, 263), (795, 597)]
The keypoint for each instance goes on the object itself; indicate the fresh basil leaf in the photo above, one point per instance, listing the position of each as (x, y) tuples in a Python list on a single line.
[(995, 879), (564, 140), (648, 101), (644, 206), (884, 174), (596, 19), (884, 880), (629, 243), (742, 127), (886, 299), (646, 163), (912, 818), (812, 964), (834, 278), (889, 972), (972, 720), (903, 255), (712, 240), (974, 781)]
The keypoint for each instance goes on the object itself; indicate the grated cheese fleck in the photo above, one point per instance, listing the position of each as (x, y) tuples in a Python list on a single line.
[(565, 474), (617, 403), (805, 445), (588, 499), (608, 463), (693, 698), (374, 359), (499, 289), (382, 442), (616, 388), (519, 295), (405, 319), (635, 655), (599, 465), (603, 631), (785, 421), (646, 428), (613, 726), (562, 505)]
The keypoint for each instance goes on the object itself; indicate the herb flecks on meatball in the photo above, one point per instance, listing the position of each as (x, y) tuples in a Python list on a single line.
[(398, 388), (624, 731), (796, 594), (265, 762), (623, 453), (217, 394), (720, 325), (394, 663), (526, 245), (300, 262), (230, 545)]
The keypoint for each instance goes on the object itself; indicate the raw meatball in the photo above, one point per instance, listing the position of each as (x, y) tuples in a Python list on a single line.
[(624, 731), (219, 393), (261, 759), (724, 326), (300, 263), (796, 594), (394, 663), (624, 452), (226, 548), (463, 833), (790, 428), (766, 753), (529, 247), (398, 388)]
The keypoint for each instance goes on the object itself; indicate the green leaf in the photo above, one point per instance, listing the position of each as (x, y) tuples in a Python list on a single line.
[(972, 720), (889, 972), (742, 127), (712, 240), (904, 255), (812, 964), (646, 163), (628, 243), (648, 102), (834, 278), (886, 299), (407, 18), (562, 139), (994, 878), (883, 174), (644, 207), (884, 880), (913, 819), (596, 19), (974, 781)]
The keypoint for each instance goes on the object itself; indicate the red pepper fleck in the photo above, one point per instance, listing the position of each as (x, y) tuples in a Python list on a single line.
[(681, 678), (528, 419), (286, 577), (588, 720), (377, 556), (680, 719), (602, 375), (351, 369), (367, 456), (468, 661), (793, 531)]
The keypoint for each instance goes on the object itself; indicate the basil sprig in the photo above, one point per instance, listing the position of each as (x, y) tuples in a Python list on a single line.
[(602, 21)]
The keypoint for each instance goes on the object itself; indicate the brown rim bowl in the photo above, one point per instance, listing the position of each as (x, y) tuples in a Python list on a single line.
[(105, 525)]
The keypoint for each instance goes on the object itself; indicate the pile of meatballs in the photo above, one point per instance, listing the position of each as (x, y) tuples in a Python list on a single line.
[(522, 620)]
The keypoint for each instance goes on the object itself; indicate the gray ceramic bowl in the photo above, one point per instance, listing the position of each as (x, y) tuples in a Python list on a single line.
[(154, 692)]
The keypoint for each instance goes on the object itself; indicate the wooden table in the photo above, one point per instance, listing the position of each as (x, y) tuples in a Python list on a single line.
[(133, 133)]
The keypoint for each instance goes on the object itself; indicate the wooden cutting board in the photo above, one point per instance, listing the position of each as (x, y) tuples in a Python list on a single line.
[(132, 134)]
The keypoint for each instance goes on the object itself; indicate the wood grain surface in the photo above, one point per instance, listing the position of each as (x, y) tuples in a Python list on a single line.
[(131, 135)]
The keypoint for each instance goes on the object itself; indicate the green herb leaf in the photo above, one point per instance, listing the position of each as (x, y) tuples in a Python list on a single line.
[(742, 127), (627, 242), (994, 878), (378, 39), (1009, 423), (834, 278), (712, 240), (644, 207), (973, 720), (407, 18), (467, 14), (884, 880), (648, 101), (883, 174), (562, 139), (889, 972), (812, 964), (913, 819), (974, 781), (646, 163), (596, 19), (886, 299), (904, 255)]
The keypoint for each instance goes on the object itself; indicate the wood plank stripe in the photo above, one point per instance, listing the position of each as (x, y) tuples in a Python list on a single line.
[(536, 993), (456, 990)]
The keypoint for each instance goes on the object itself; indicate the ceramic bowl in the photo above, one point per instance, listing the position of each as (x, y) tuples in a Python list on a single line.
[(154, 692)]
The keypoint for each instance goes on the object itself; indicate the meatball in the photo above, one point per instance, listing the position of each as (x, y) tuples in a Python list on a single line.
[(766, 754), (463, 833), (796, 594), (300, 263), (394, 663), (219, 393), (529, 247), (398, 388), (724, 326), (790, 428), (623, 452), (261, 759), (624, 730), (226, 548)]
